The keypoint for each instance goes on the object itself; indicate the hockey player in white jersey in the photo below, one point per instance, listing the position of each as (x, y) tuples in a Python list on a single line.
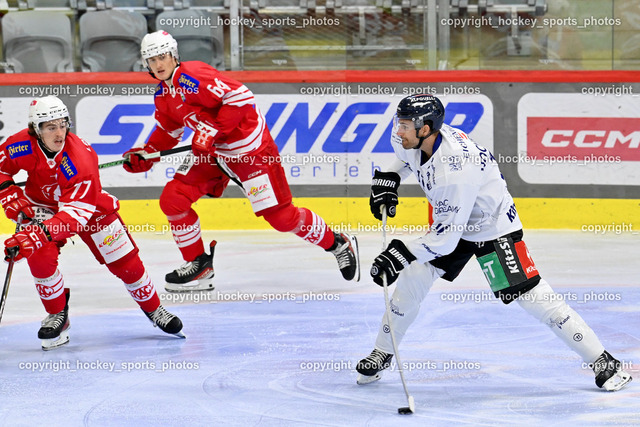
[(473, 214)]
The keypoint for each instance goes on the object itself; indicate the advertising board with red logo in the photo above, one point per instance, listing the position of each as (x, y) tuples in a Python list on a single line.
[(570, 138)]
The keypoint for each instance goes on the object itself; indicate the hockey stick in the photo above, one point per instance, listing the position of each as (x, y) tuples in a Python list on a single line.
[(412, 406), (146, 156), (7, 279)]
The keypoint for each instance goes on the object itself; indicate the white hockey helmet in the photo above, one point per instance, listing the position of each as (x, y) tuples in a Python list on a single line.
[(45, 109), (154, 44)]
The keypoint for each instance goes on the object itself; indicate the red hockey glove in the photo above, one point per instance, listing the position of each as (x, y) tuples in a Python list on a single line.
[(26, 242), (136, 163), (14, 201), (203, 137)]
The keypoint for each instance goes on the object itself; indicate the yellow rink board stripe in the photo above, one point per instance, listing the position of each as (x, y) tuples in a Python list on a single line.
[(353, 214)]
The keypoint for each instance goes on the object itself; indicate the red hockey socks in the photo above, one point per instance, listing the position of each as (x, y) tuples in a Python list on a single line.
[(313, 229), (51, 291), (186, 233), (144, 293), (302, 222)]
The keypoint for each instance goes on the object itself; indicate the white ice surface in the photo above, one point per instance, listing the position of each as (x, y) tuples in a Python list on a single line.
[(251, 362)]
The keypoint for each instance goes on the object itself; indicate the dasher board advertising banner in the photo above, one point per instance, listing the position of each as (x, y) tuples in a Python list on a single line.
[(564, 139)]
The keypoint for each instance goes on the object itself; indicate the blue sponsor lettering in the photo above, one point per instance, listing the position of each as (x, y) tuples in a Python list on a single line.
[(188, 82), (298, 122), (443, 207), (471, 111), (511, 214), (334, 142), (128, 132), (384, 143), (19, 149), (158, 90), (67, 167), (299, 127)]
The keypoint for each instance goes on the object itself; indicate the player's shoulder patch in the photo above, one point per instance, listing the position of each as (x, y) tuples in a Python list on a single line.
[(188, 82), (67, 167), (19, 149), (159, 90)]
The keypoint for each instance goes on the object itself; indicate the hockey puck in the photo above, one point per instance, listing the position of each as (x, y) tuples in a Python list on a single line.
[(407, 410)]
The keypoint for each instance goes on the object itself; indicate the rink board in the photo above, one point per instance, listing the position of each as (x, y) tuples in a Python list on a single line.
[(566, 142), (598, 216)]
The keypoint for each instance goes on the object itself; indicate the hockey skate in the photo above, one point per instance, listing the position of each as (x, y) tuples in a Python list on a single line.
[(609, 373), (370, 368), (345, 249), (196, 275), (54, 331), (169, 323)]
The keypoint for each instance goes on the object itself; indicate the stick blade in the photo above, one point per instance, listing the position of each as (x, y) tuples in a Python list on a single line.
[(408, 410)]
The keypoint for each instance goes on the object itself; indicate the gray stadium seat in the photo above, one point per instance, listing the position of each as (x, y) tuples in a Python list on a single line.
[(34, 4), (201, 42), (110, 40), (37, 42)]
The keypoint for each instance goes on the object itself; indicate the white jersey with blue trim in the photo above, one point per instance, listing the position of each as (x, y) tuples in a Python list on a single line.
[(464, 185)]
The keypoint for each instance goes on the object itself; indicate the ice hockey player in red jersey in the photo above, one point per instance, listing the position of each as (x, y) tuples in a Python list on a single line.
[(230, 139), (63, 197)]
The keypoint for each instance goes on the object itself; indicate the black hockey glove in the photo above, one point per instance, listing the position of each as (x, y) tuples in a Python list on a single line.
[(390, 262), (384, 191)]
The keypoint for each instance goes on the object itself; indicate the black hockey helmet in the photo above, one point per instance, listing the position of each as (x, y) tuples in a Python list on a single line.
[(422, 109)]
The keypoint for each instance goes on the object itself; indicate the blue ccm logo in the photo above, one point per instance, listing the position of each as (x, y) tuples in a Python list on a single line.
[(306, 129)]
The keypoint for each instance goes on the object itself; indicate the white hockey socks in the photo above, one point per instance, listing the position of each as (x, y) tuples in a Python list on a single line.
[(412, 287), (551, 309)]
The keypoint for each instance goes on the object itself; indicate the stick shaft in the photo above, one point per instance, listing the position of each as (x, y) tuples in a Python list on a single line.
[(147, 156), (7, 278), (388, 314)]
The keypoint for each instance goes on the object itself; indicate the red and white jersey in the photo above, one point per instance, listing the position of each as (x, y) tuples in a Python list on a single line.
[(201, 94), (68, 184)]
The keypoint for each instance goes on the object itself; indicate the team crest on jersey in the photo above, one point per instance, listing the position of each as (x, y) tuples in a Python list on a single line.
[(67, 167), (19, 149), (188, 82)]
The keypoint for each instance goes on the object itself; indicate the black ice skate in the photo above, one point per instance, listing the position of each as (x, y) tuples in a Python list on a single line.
[(345, 249), (609, 373), (196, 275), (54, 331), (169, 323), (370, 368)]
